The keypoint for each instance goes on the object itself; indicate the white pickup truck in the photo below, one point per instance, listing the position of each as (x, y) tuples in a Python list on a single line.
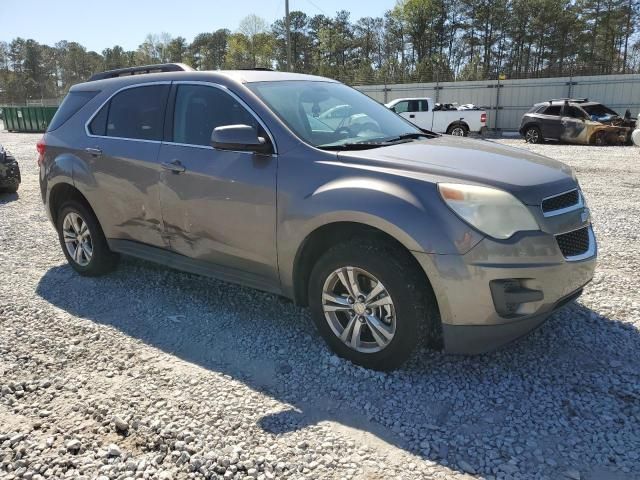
[(420, 111)]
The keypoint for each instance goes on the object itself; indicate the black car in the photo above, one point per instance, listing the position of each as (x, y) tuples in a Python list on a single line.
[(576, 121), (9, 172)]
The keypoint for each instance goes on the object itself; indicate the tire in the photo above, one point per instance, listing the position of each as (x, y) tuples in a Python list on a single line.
[(458, 130), (533, 135), (101, 259), (600, 139), (10, 188), (401, 281)]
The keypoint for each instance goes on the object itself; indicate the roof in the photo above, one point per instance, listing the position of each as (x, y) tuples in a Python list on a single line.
[(395, 100), (237, 76)]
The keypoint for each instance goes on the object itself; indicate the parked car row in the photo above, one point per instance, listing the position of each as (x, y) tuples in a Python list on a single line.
[(571, 120)]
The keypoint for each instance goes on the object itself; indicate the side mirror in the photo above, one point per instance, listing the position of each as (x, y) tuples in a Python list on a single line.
[(239, 138)]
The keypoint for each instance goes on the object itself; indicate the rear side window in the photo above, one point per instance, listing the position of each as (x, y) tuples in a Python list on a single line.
[(136, 113), (73, 102), (553, 110)]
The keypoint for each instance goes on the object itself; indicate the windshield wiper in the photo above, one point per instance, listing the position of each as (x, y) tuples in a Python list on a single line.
[(408, 136), (353, 146), (368, 144)]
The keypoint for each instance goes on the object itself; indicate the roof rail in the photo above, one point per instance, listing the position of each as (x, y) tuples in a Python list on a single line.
[(260, 69), (122, 72), (574, 100)]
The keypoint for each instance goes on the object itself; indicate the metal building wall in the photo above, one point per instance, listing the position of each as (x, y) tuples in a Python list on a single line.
[(507, 100)]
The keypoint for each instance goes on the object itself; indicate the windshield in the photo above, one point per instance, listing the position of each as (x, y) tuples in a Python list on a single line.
[(327, 114), (598, 110)]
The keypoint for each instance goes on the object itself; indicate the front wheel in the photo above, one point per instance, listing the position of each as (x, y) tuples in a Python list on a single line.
[(83, 241), (600, 139), (368, 302)]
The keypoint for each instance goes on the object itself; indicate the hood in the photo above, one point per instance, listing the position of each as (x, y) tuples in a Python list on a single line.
[(528, 176)]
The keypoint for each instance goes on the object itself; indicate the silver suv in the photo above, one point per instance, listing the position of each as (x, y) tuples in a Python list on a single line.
[(304, 187)]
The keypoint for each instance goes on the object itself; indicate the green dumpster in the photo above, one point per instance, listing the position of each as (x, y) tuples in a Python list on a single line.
[(27, 119)]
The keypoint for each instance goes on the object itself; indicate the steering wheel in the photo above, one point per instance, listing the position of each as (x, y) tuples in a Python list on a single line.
[(344, 130)]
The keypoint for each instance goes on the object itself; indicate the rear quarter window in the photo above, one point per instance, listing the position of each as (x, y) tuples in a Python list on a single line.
[(73, 102)]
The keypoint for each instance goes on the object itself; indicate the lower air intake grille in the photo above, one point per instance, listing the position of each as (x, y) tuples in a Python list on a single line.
[(574, 243)]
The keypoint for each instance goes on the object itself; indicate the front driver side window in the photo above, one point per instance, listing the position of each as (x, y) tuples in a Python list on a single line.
[(401, 107), (200, 108)]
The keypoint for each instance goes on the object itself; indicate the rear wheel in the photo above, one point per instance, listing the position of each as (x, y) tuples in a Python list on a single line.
[(82, 240), (368, 302), (533, 135), (458, 130)]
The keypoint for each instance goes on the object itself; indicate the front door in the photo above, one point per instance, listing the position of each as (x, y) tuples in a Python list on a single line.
[(218, 207), (416, 111)]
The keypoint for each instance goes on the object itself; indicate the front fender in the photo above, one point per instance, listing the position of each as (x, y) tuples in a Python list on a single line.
[(410, 212)]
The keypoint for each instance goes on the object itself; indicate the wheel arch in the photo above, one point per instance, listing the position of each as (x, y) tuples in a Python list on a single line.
[(326, 236), (528, 125), (61, 193), (458, 123)]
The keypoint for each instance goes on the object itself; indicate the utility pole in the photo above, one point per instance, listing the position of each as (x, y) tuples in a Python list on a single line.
[(288, 26)]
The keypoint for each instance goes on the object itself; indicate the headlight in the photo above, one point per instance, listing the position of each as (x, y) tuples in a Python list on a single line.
[(494, 212)]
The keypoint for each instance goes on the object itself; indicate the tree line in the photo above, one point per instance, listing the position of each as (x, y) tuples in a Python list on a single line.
[(416, 41)]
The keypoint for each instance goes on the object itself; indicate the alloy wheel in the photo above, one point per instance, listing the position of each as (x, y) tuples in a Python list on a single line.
[(77, 239), (532, 136), (359, 309), (458, 132)]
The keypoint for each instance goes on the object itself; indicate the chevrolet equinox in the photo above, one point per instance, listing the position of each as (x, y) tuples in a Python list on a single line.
[(304, 187)]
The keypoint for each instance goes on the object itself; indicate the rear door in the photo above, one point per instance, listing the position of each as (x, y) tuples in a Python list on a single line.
[(124, 143), (218, 207)]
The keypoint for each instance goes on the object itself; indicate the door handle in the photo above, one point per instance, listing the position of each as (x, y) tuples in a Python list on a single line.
[(175, 166), (95, 152), (412, 116)]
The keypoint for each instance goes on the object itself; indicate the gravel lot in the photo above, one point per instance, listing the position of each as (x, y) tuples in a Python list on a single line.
[(152, 373)]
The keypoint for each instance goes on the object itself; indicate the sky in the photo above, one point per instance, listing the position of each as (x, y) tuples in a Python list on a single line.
[(98, 25)]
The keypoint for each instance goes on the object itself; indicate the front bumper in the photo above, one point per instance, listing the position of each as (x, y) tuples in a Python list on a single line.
[(469, 310)]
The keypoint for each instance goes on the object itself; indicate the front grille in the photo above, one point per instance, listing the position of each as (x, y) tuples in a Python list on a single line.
[(574, 243), (564, 200)]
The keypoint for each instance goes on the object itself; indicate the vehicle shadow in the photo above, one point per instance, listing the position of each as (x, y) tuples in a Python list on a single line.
[(8, 197), (549, 403)]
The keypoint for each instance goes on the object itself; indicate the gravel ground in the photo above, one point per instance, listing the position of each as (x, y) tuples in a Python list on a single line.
[(152, 373)]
